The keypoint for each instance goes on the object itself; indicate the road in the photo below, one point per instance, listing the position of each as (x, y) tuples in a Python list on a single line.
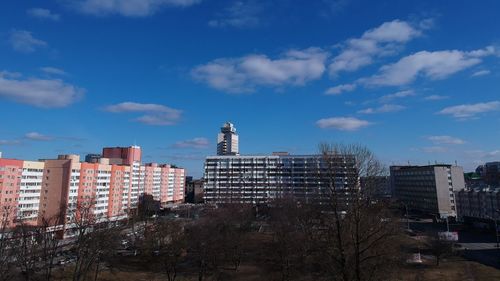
[(477, 245)]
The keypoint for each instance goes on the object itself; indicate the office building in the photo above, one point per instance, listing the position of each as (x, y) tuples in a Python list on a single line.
[(227, 140), (428, 189)]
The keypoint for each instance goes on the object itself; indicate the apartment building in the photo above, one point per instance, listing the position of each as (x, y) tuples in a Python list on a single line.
[(428, 189), (37, 192), (259, 179)]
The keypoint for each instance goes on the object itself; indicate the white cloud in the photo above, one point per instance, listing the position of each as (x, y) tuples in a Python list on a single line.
[(10, 142), (435, 149), (43, 14), (445, 140), (38, 137), (128, 8), (386, 108), (342, 123), (295, 67), (337, 90), (378, 42), (45, 93), (192, 143), (53, 70), (23, 41), (397, 95), (433, 65), (239, 14), (154, 114), (470, 110), (436, 97), (480, 73)]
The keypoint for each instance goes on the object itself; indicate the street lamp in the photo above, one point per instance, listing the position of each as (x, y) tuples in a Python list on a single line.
[(496, 227), (407, 216)]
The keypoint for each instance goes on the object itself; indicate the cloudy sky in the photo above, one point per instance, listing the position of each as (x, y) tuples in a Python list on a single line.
[(416, 81)]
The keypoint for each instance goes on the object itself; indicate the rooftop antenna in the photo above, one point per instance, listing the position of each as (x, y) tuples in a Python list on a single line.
[(456, 163), (409, 163)]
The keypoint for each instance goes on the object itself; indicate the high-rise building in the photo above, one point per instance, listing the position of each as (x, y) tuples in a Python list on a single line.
[(35, 192), (227, 140), (260, 179), (428, 189)]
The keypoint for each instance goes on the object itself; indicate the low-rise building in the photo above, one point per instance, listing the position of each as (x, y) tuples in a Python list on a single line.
[(478, 204)]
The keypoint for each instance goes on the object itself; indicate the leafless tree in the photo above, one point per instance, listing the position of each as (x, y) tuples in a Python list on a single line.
[(27, 249), (165, 244), (202, 247), (439, 248), (49, 242), (82, 221), (359, 230), (6, 245)]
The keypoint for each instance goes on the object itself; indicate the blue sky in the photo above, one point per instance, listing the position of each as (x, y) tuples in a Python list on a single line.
[(415, 81)]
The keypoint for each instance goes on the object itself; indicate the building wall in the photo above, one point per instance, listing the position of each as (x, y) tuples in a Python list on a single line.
[(29, 193), (128, 155), (55, 188), (10, 184), (119, 182)]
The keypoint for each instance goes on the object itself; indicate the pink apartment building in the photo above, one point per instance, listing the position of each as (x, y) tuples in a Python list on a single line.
[(40, 191)]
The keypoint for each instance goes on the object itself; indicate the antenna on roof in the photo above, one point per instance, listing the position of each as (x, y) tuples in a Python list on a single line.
[(408, 162)]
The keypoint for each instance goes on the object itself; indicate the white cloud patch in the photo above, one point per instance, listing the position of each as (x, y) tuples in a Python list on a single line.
[(342, 123), (198, 143), (24, 42), (445, 140), (154, 114), (45, 93), (239, 14), (295, 67), (435, 97), (337, 90), (435, 149), (44, 14), (470, 110), (10, 142), (433, 65), (397, 95), (384, 40), (128, 8), (386, 108), (480, 73), (38, 137), (53, 70)]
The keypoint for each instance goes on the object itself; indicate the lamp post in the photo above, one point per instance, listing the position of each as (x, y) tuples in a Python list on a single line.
[(407, 216), (496, 227)]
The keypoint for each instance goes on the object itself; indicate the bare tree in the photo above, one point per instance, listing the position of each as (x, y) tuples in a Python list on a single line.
[(359, 230), (440, 248), (49, 242), (202, 247), (27, 249), (165, 244), (82, 222), (6, 245)]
